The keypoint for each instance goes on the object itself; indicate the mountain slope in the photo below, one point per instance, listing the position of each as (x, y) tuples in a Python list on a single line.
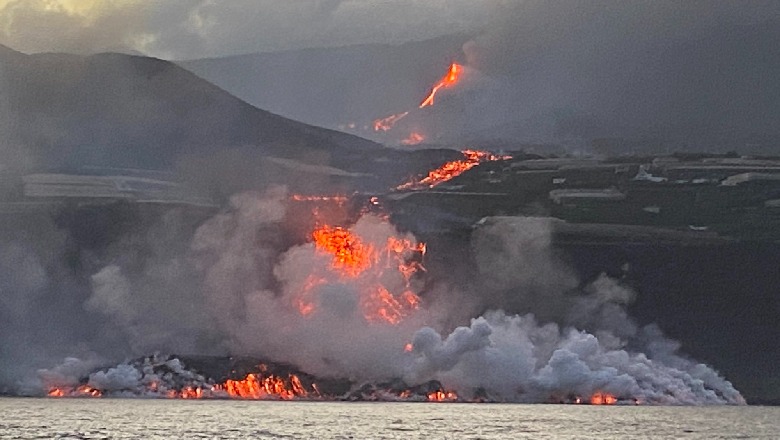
[(334, 86), (714, 89), (128, 111)]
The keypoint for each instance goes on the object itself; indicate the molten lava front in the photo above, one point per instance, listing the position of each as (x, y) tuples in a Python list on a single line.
[(254, 386), (257, 387), (600, 398), (155, 378), (80, 391), (442, 396)]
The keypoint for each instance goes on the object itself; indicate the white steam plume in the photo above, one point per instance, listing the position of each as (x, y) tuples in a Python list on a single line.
[(566, 342)]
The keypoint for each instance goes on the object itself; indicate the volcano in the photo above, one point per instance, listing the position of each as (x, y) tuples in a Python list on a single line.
[(112, 111)]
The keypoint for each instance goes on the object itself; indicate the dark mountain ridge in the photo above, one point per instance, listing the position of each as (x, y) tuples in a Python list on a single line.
[(116, 110)]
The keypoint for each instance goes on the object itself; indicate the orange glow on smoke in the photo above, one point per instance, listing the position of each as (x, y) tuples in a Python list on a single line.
[(442, 396), (385, 124), (413, 139), (353, 258), (450, 79), (381, 305), (600, 398), (453, 169)]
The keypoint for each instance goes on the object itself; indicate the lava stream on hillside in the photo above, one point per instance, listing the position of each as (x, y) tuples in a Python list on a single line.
[(452, 169)]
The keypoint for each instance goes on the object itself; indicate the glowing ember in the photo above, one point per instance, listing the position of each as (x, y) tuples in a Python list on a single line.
[(600, 398), (370, 266), (450, 79), (442, 396), (453, 169), (385, 124), (413, 139)]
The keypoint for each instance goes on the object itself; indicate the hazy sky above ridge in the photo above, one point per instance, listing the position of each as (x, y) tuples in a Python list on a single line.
[(189, 29), (182, 29)]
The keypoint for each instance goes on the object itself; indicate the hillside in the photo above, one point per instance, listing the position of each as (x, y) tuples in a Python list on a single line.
[(74, 112), (334, 86), (714, 90)]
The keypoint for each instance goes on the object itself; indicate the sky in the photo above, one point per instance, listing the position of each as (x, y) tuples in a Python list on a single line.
[(191, 29), (188, 29)]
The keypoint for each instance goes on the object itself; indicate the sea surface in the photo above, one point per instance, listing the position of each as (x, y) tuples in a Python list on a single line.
[(165, 419)]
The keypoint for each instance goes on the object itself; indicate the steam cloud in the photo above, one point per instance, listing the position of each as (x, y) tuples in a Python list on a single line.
[(232, 290)]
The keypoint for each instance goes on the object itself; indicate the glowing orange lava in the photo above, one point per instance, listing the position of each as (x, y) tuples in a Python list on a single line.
[(442, 396), (354, 258), (351, 256), (255, 386), (385, 124), (453, 169), (80, 391), (259, 387), (413, 139), (600, 398), (450, 79)]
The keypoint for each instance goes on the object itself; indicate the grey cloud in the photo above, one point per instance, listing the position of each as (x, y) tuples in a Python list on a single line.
[(205, 28)]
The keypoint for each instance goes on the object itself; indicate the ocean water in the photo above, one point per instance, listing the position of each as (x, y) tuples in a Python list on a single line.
[(165, 419)]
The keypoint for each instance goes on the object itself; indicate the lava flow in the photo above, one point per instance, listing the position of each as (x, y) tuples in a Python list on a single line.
[(369, 266), (80, 391), (450, 79), (257, 387), (453, 169), (413, 139), (600, 398), (385, 124), (254, 386), (442, 396)]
